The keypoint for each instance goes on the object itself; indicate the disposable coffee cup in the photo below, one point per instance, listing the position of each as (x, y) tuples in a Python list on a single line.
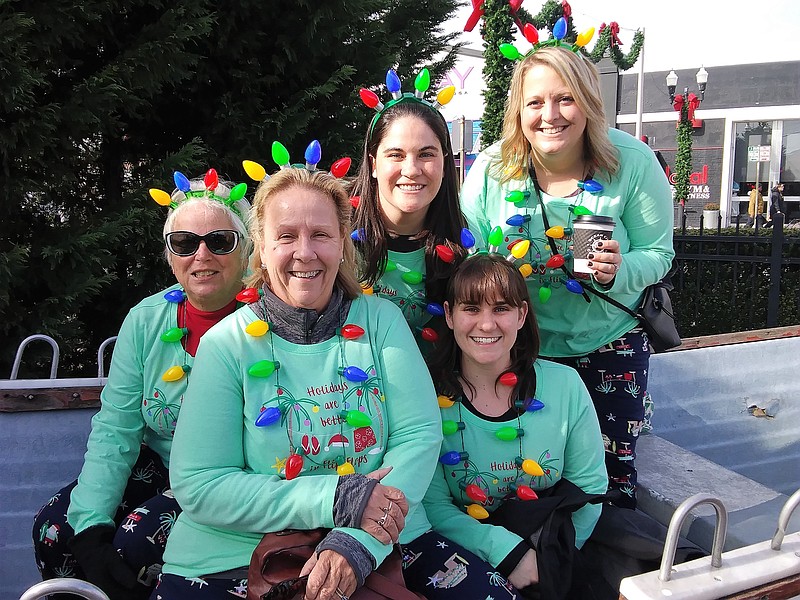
[(587, 231)]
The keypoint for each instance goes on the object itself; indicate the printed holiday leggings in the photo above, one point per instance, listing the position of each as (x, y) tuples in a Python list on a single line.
[(616, 377), (141, 532)]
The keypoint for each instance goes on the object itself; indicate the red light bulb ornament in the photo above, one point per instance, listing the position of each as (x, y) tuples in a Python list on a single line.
[(355, 201), (473, 492), (211, 179), (351, 332), (429, 335), (249, 295), (524, 492), (555, 262), (444, 253), (339, 169), (294, 464), (371, 99), (530, 33), (509, 379)]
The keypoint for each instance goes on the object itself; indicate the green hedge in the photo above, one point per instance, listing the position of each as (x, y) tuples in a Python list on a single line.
[(715, 294)]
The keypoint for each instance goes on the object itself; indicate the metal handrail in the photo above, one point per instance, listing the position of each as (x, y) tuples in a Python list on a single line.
[(101, 372), (676, 524), (78, 587), (783, 520), (21, 349)]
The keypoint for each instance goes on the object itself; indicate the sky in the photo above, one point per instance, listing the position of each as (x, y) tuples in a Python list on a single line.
[(685, 34)]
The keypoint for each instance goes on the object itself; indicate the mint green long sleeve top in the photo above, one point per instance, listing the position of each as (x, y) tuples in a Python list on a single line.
[(563, 438), (637, 197), (229, 475), (136, 406)]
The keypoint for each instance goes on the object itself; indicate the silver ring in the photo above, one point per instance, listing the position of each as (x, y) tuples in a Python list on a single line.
[(382, 520), (616, 267), (341, 594), (388, 508)]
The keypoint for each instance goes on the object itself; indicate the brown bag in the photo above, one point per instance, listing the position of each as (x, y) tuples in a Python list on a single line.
[(279, 557)]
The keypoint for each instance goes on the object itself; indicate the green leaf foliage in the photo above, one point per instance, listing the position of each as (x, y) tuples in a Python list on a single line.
[(103, 99)]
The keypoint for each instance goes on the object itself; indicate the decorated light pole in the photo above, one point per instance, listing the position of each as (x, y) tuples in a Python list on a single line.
[(686, 105)]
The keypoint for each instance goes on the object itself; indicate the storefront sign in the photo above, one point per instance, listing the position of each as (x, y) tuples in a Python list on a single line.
[(698, 184)]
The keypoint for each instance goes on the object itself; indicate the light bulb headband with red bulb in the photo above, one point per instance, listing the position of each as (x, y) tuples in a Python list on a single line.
[(394, 86), (280, 155), (557, 41), (211, 188)]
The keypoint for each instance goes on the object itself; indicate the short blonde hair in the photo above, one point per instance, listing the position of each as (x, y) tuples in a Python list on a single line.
[(321, 181), (582, 79)]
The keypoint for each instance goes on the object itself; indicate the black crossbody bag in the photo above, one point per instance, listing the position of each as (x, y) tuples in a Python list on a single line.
[(654, 313)]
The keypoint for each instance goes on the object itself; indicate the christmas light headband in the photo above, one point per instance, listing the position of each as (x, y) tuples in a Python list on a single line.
[(559, 31), (280, 155), (394, 86), (211, 189)]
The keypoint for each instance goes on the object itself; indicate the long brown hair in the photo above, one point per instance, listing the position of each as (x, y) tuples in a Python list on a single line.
[(443, 220), (301, 178), (480, 278)]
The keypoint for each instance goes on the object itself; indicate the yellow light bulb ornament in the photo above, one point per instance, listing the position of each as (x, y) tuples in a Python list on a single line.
[(254, 170), (585, 37), (556, 232), (530, 466), (445, 401), (444, 95), (368, 290), (476, 511), (526, 270), (257, 328), (519, 250), (174, 373), (160, 196), (345, 469)]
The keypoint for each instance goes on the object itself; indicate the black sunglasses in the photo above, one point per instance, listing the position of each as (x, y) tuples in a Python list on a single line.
[(286, 590), (186, 243)]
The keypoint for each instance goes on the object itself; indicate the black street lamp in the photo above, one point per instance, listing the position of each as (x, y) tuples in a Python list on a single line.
[(686, 105)]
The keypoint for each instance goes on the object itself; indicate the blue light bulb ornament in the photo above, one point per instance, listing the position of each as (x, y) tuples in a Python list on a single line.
[(353, 374), (175, 296), (468, 240), (530, 405), (268, 416), (435, 309), (359, 235), (517, 220), (574, 286), (313, 155), (560, 29), (181, 182), (453, 458), (393, 84), (590, 185)]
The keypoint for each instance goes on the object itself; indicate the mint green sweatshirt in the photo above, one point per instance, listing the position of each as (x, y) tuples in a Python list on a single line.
[(563, 438), (229, 475), (136, 406), (639, 200)]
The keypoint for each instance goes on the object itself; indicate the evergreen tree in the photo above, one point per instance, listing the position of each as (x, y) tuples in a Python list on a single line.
[(104, 99)]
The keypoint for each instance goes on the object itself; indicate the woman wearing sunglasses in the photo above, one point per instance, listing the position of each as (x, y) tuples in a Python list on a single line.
[(87, 529)]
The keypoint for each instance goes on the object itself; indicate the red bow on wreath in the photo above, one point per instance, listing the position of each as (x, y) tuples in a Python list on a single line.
[(566, 9), (694, 104), (615, 41), (475, 16)]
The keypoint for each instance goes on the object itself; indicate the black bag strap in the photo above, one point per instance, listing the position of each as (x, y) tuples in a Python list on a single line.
[(554, 250)]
